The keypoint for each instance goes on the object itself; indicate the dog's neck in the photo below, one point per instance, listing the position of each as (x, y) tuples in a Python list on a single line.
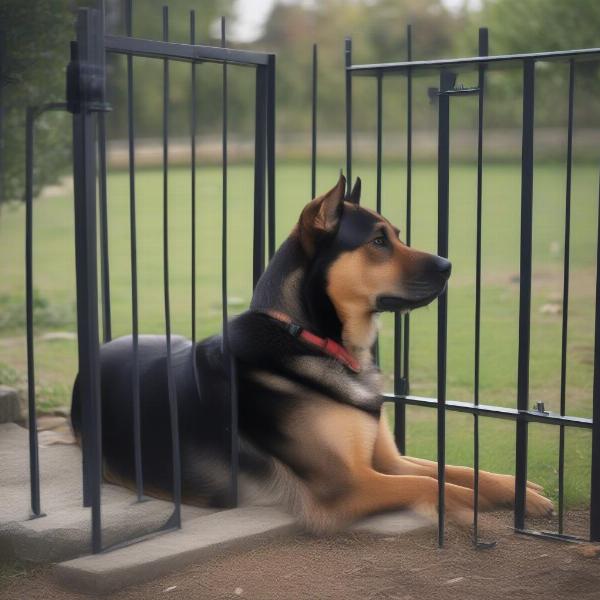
[(289, 285)]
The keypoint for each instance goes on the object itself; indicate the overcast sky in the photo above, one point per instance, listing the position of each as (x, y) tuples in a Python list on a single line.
[(251, 15)]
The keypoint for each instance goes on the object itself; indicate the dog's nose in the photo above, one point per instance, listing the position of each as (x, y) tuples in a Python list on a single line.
[(443, 266)]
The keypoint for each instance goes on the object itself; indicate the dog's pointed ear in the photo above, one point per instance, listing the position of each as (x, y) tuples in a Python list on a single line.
[(321, 216), (354, 197)]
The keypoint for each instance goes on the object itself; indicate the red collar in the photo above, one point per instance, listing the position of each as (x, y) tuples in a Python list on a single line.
[(326, 345)]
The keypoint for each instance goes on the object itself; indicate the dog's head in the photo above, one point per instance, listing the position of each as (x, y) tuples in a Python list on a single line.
[(360, 260)]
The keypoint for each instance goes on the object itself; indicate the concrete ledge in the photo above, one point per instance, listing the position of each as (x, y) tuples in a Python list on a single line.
[(65, 534), (202, 537), (64, 531)]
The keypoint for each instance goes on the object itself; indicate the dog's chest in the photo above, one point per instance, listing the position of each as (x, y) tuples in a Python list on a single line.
[(362, 390)]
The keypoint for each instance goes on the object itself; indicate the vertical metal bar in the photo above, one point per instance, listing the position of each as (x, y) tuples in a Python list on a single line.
[(483, 51), (34, 463), (79, 193), (565, 307), (379, 137), (2, 117), (90, 47), (525, 289), (271, 154), (173, 411), (260, 143), (313, 163), (404, 382), (595, 475), (228, 358), (224, 159), (135, 373), (193, 127), (376, 352), (446, 83), (348, 63), (103, 208), (399, 408)]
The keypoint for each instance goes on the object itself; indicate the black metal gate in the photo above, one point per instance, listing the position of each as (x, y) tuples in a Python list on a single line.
[(86, 100), (523, 414)]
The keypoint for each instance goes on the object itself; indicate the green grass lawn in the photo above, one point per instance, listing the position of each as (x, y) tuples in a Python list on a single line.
[(54, 282)]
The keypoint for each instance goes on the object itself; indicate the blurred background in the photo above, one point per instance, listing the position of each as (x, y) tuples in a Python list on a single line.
[(34, 42)]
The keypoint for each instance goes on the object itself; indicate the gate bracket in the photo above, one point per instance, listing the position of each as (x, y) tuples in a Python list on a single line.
[(85, 85), (452, 90)]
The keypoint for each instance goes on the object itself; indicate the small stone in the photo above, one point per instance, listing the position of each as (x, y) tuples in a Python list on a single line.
[(10, 405), (54, 437), (171, 588), (238, 591), (455, 580), (48, 423)]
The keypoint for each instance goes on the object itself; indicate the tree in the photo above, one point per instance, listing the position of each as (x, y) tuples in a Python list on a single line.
[(378, 30), (35, 50), (546, 26)]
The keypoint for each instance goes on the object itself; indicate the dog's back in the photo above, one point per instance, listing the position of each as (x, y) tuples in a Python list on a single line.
[(201, 391)]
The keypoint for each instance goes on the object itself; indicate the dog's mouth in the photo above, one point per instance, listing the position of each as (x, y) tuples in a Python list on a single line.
[(391, 303)]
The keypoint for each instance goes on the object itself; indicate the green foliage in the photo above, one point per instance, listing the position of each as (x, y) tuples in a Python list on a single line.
[(9, 375), (46, 315), (544, 26), (35, 49), (53, 397)]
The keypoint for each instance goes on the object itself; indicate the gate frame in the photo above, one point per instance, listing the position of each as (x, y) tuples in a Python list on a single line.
[(522, 415), (86, 83)]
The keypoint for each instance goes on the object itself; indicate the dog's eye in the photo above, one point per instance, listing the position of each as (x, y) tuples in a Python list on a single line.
[(379, 241)]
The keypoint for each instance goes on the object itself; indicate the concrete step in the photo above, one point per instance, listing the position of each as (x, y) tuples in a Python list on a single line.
[(199, 539), (64, 531)]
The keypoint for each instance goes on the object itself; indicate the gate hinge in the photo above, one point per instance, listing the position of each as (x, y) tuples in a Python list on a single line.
[(85, 85)]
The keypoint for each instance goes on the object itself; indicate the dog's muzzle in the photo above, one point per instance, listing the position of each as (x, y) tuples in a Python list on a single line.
[(430, 283)]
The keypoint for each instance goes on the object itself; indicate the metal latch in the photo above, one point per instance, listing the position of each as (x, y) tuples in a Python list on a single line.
[(451, 90)]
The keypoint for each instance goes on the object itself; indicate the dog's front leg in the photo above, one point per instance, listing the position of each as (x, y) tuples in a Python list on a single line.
[(495, 489), (374, 492)]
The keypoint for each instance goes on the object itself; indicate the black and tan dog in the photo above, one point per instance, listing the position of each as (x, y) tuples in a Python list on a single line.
[(312, 434)]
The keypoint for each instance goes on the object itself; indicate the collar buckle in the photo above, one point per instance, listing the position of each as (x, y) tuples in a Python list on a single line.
[(294, 329)]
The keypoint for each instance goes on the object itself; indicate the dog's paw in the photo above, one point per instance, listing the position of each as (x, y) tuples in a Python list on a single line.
[(499, 490), (537, 505), (458, 502), (536, 487)]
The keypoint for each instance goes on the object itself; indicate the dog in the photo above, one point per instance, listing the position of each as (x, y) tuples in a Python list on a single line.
[(312, 433)]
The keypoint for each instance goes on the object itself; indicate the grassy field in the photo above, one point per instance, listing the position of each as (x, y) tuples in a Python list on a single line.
[(54, 283)]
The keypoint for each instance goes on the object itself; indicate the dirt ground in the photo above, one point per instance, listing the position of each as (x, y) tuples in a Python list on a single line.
[(368, 567)]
